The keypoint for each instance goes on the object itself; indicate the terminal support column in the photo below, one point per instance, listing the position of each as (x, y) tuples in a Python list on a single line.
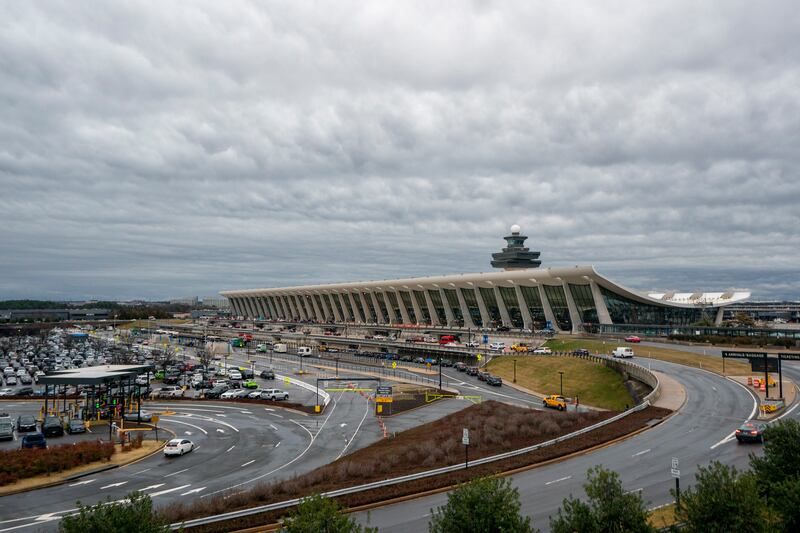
[(501, 304), (448, 312), (600, 304), (468, 323), (485, 317), (527, 319), (402, 305), (574, 315), (378, 310), (434, 314), (356, 311), (548, 311)]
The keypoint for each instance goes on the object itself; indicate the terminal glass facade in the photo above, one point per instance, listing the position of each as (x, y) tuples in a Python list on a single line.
[(338, 303), (472, 306), (322, 308), (406, 297), (509, 296), (455, 307), (382, 305), (534, 304), (438, 306), (625, 311), (584, 301), (423, 306), (490, 302), (558, 304), (371, 315), (329, 303), (395, 306)]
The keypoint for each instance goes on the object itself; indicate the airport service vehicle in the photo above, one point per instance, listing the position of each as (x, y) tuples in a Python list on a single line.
[(274, 395), (519, 347), (26, 423), (622, 352), (498, 346), (750, 431), (555, 401), (267, 374), (178, 447), (279, 348), (76, 425), (34, 440), (633, 338), (304, 351), (543, 350)]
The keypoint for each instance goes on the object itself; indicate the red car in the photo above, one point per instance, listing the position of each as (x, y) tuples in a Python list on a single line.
[(633, 338)]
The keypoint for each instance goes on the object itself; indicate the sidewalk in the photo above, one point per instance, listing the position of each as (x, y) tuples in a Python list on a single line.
[(672, 396)]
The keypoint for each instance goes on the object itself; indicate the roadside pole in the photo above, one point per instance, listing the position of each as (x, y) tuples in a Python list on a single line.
[(465, 442), (676, 473)]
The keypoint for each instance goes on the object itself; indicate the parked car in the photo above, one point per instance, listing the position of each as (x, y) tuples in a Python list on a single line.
[(497, 346), (229, 394), (169, 392), (472, 370), (555, 401), (274, 394), (482, 375), (250, 384), (255, 394), (51, 427), (6, 428), (26, 423), (633, 338), (542, 350), (178, 447), (267, 374), (461, 366), (34, 440), (751, 431), (216, 392), (503, 328), (7, 392), (76, 425), (580, 351), (472, 344), (25, 391)]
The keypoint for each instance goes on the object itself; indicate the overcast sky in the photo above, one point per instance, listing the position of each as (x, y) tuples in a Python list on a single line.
[(166, 149)]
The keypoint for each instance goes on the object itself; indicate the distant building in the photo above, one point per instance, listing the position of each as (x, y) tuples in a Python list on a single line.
[(216, 301), (53, 314)]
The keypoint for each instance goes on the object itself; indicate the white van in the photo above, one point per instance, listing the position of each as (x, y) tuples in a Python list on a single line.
[(623, 352), (304, 351), (279, 348)]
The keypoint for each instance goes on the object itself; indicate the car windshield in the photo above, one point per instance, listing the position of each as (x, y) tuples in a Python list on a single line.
[(34, 438)]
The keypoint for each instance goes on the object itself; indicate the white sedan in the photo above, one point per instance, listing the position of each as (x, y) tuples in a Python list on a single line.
[(178, 447), (229, 394)]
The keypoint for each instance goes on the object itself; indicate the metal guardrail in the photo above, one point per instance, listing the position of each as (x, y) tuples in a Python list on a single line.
[(402, 479)]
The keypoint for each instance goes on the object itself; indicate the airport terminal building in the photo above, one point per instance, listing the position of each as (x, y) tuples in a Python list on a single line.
[(519, 294)]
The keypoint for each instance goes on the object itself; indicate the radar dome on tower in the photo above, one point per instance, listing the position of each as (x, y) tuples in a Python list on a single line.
[(515, 229)]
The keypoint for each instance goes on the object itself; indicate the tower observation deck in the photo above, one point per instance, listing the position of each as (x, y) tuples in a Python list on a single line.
[(515, 255)]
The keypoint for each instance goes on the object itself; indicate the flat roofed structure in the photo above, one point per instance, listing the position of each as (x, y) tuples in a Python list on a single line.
[(94, 375), (566, 298)]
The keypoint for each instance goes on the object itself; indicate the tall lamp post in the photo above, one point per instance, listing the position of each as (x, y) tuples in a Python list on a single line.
[(561, 378), (515, 370)]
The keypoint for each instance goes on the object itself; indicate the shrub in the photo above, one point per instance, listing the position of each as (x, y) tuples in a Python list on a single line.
[(21, 464)]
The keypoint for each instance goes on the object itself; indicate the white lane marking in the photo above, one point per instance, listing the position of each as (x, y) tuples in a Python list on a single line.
[(301, 454), (187, 432), (229, 449), (634, 490), (366, 412), (113, 485), (185, 423), (246, 412), (729, 437), (142, 471), (268, 409), (273, 427), (279, 443), (178, 472), (83, 482), (559, 479), (209, 419), (641, 453), (249, 462), (159, 493), (152, 487), (276, 414), (193, 491), (223, 416), (220, 430)]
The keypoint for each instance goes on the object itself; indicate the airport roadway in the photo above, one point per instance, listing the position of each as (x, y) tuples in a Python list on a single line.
[(698, 433)]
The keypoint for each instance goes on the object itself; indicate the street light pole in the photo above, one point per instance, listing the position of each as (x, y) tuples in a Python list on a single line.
[(561, 376), (515, 370)]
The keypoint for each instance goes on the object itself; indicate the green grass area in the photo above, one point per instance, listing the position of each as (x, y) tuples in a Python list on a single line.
[(672, 355), (593, 383)]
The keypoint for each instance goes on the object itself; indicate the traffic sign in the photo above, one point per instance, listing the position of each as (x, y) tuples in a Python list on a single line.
[(465, 437), (675, 472), (394, 364), (154, 419), (486, 339), (479, 357), (674, 463)]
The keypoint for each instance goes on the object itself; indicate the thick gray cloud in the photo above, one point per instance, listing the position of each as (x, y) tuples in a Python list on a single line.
[(182, 148)]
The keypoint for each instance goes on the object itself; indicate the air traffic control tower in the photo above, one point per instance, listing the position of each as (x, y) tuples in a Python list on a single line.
[(515, 256)]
